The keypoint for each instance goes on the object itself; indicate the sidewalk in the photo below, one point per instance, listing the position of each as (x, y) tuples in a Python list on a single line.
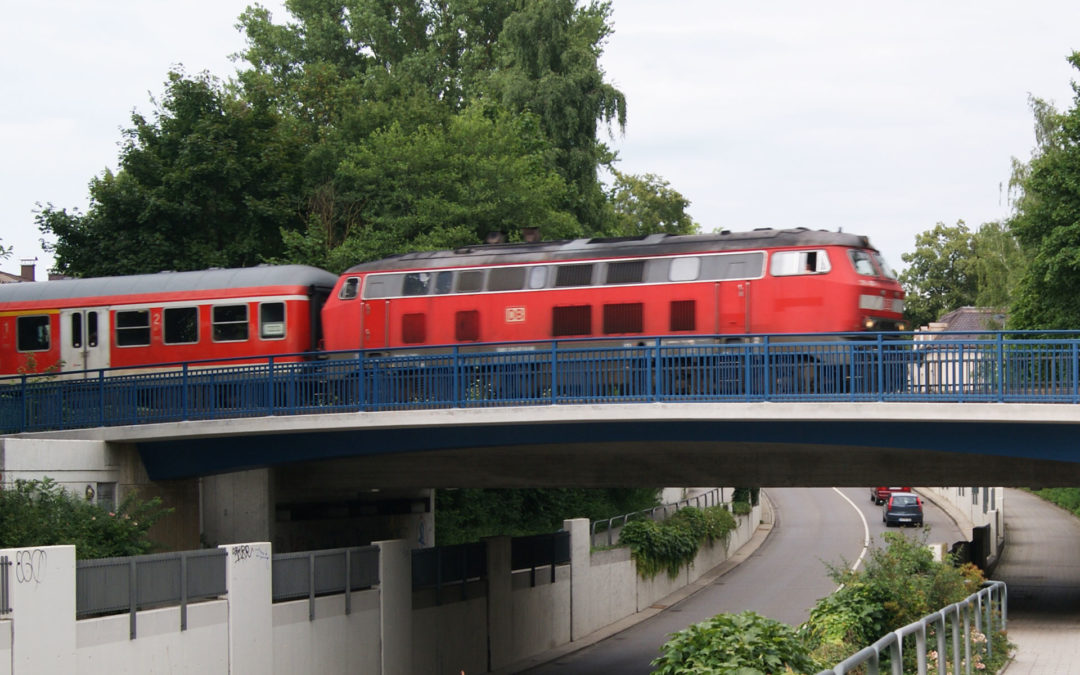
[(1041, 567)]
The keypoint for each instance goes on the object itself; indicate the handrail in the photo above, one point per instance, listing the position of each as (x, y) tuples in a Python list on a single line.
[(901, 367), (988, 603)]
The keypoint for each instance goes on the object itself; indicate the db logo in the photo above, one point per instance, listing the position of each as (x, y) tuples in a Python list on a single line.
[(515, 314)]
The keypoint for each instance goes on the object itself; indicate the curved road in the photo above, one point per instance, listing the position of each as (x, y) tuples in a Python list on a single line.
[(782, 580)]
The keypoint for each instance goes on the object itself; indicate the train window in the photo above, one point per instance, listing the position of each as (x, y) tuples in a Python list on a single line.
[(133, 328), (467, 326), (91, 329), (76, 330), (684, 269), (272, 320), (862, 263), (416, 283), (444, 282), (538, 277), (33, 333), (181, 325), (573, 275), (349, 288), (470, 281), (629, 272), (623, 318), (683, 315), (506, 279), (379, 286), (230, 323), (790, 263), (413, 328), (573, 320)]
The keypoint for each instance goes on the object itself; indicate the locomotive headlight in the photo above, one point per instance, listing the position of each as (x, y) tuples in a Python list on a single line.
[(901, 326), (868, 323)]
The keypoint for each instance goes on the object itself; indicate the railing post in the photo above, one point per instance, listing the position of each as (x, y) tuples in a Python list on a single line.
[(1075, 373), (25, 405), (270, 385), (184, 401), (880, 367), (769, 374), (554, 371), (657, 374), (101, 397), (1001, 366), (456, 384), (133, 595)]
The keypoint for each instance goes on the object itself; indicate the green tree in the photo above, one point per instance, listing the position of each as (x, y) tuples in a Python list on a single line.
[(208, 181), (953, 267), (1047, 220), (940, 276), (41, 513), (647, 204)]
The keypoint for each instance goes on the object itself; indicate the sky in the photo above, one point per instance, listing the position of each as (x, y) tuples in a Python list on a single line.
[(877, 119)]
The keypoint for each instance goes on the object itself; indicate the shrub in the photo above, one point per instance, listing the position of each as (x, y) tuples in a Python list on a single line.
[(734, 644), (674, 543), (41, 513)]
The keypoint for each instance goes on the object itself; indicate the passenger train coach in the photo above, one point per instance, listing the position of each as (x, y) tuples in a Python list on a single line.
[(119, 322), (711, 287)]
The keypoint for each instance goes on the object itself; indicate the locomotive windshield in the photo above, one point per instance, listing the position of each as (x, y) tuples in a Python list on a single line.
[(871, 264)]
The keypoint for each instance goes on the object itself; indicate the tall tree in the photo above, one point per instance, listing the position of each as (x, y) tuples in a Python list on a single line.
[(206, 182), (1047, 220)]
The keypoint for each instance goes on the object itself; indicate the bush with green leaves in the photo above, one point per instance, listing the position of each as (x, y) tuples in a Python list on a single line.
[(42, 513), (672, 544), (735, 644), (900, 583)]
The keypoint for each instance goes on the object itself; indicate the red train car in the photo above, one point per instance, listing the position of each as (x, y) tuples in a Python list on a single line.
[(686, 287), (117, 322)]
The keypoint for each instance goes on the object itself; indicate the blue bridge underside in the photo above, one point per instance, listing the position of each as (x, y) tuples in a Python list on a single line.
[(632, 452)]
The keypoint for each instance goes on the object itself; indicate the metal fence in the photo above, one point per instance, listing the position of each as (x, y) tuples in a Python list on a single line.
[(113, 585), (991, 366), (311, 574), (612, 526), (910, 646)]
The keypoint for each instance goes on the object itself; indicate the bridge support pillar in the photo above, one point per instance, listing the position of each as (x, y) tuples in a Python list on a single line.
[(237, 507), (580, 562)]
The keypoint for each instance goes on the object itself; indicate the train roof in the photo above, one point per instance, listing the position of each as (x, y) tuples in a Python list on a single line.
[(648, 245), (167, 282)]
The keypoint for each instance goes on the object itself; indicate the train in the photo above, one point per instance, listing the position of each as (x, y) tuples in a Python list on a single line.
[(723, 287)]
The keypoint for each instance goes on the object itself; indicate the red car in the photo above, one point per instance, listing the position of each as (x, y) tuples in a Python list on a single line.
[(878, 495)]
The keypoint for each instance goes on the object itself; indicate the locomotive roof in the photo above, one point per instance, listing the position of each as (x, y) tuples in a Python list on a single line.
[(648, 245), (167, 282)]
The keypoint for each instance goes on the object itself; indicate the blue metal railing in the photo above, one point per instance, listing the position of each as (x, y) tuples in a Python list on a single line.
[(968, 367)]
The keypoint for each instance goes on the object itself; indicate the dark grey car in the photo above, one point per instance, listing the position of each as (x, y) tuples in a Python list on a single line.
[(902, 508)]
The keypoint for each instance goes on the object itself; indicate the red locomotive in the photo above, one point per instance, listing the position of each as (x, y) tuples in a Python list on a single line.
[(118, 322), (693, 288)]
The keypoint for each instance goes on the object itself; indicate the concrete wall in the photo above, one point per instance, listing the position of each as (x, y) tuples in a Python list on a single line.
[(973, 507), (484, 626)]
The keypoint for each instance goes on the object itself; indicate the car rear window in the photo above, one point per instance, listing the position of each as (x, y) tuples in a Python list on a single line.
[(905, 500)]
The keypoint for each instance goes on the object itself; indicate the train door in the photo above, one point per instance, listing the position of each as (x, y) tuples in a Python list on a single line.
[(733, 307), (373, 324), (84, 338)]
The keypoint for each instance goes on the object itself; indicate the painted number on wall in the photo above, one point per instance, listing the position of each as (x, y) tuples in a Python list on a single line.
[(515, 314)]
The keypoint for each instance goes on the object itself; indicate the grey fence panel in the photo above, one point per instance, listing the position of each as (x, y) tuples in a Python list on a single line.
[(309, 573), (104, 585)]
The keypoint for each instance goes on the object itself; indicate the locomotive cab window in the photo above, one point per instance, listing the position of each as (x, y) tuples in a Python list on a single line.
[(349, 288), (133, 328), (181, 325), (272, 321), (33, 333), (230, 323), (416, 283), (791, 263)]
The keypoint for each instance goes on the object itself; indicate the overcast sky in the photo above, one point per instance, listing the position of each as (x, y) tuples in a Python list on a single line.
[(880, 120)]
